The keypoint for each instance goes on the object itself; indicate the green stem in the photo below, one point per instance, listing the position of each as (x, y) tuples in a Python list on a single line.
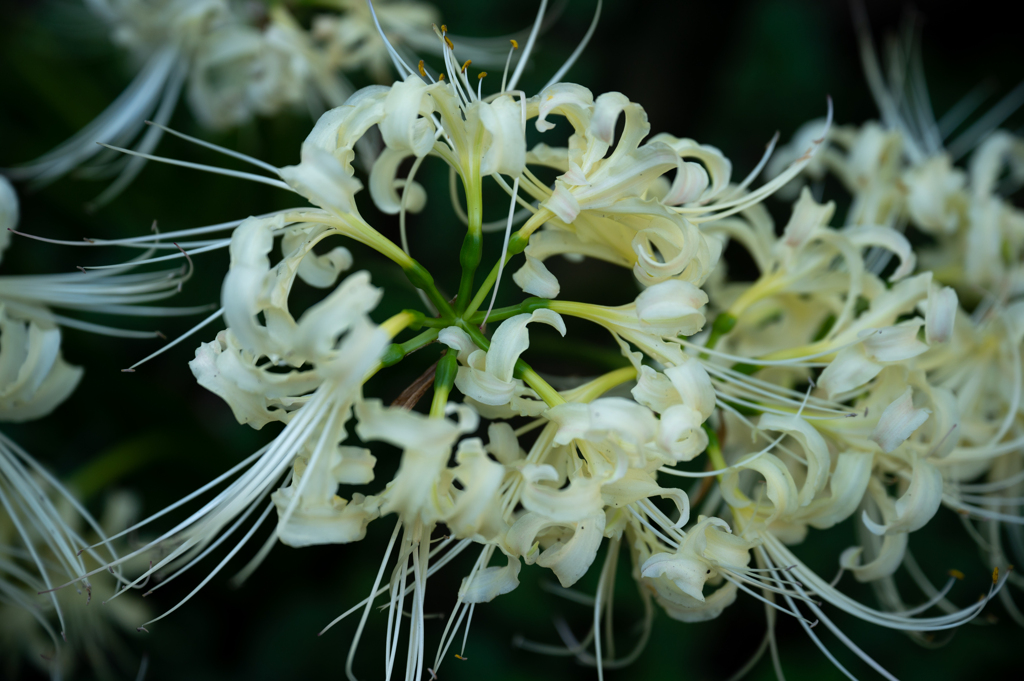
[(356, 229), (722, 325), (498, 314), (421, 279), (444, 379), (516, 246), (396, 352), (517, 243), (472, 245)]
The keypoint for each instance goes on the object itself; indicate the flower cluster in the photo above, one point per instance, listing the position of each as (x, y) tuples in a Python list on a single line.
[(862, 374)]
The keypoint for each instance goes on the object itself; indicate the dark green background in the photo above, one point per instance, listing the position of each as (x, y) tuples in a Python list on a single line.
[(728, 74)]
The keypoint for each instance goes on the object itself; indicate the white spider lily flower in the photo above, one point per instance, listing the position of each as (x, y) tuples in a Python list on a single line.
[(163, 35), (341, 344), (672, 306), (568, 548), (628, 420), (233, 75), (34, 378), (350, 39), (889, 556), (873, 156), (780, 488), (487, 377), (659, 315), (533, 277), (491, 582), (692, 183), (802, 263), (898, 422), (857, 365), (687, 384), (253, 288), (916, 505), (680, 433), (542, 494), (816, 454), (603, 200), (41, 535), (708, 544), (802, 140), (626, 173), (324, 180), (426, 445), (472, 508), (808, 218), (320, 515), (847, 483)]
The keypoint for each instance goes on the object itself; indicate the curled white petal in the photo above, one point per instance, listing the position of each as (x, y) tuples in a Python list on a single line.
[(817, 456), (940, 314), (693, 384), (675, 304), (491, 582), (512, 339), (457, 340), (534, 278), (571, 549), (898, 422)]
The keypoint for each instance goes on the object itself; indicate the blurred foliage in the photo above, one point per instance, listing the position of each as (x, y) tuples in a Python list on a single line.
[(728, 74)]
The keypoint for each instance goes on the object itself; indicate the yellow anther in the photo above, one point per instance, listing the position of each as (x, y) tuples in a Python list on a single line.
[(956, 574), (448, 42), (440, 78), (466, 65), (423, 71), (481, 75), (995, 575), (515, 44), (444, 28), (461, 657)]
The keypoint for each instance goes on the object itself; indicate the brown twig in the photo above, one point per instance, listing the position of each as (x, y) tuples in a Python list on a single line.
[(411, 396)]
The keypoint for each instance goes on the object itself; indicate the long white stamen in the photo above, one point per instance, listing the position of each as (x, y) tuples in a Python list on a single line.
[(508, 60), (760, 164), (168, 102), (647, 524), (577, 52), (118, 122), (216, 315), (960, 111), (220, 566), (164, 258), (732, 207), (504, 249), (369, 603), (209, 169), (735, 466), (987, 123), (396, 59), (216, 147), (529, 46)]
